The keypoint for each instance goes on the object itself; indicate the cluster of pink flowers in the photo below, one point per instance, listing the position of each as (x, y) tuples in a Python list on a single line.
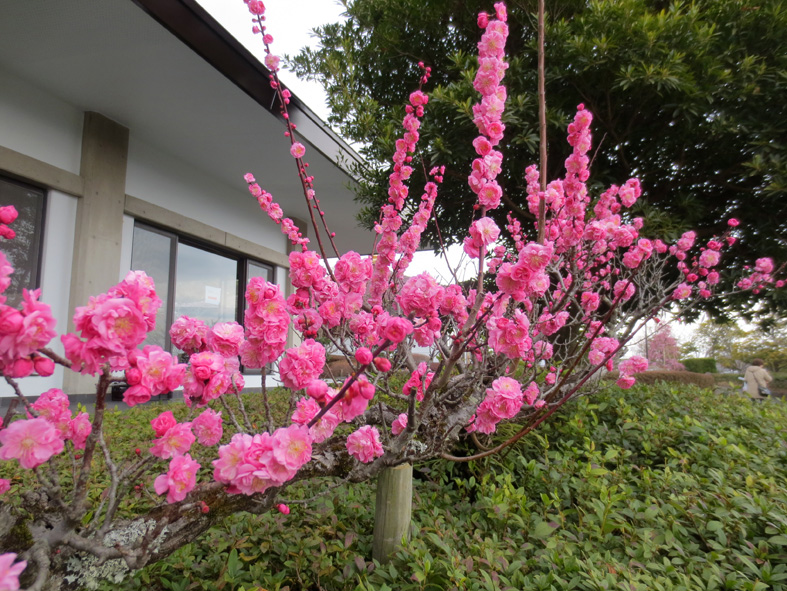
[(364, 444), (397, 193), (34, 440), (112, 325), (487, 115), (173, 442), (180, 479), (226, 338), (23, 332), (189, 334), (421, 296), (356, 398), (173, 438), (8, 215), (274, 210), (527, 277), (151, 372), (209, 376), (760, 277), (353, 272), (399, 424), (307, 408), (31, 441), (602, 349), (411, 237), (628, 368), (418, 382), (503, 400), (208, 427), (252, 464), (266, 321), (510, 336), (301, 365)]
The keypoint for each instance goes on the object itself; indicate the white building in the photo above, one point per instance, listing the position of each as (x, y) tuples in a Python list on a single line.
[(125, 130)]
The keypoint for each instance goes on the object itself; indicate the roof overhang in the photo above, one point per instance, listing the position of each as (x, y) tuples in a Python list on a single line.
[(179, 81)]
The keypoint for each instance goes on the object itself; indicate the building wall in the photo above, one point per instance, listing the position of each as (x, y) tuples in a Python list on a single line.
[(38, 124), (166, 180), (41, 140)]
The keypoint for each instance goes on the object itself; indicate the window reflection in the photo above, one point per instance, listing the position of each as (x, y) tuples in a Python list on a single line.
[(151, 252), (256, 270), (23, 251), (206, 285)]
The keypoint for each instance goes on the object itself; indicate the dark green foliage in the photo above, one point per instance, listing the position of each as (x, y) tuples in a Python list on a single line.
[(653, 488), (700, 364), (686, 96)]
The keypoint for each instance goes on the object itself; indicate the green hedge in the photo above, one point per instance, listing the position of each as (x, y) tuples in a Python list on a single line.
[(658, 487), (655, 376), (700, 364)]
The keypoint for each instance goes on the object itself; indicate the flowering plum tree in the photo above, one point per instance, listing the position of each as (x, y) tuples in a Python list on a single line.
[(540, 319), (663, 351)]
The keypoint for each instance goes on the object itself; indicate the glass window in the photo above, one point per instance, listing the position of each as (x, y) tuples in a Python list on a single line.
[(23, 251), (255, 269), (192, 280), (153, 252), (207, 286)]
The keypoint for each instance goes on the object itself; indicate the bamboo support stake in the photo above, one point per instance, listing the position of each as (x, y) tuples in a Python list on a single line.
[(393, 510)]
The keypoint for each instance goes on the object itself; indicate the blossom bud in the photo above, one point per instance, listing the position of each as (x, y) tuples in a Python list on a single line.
[(21, 368), (8, 214), (363, 356), (283, 509), (44, 366), (317, 389), (382, 364), (133, 376)]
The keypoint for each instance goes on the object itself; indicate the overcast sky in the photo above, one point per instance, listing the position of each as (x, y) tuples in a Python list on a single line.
[(290, 22)]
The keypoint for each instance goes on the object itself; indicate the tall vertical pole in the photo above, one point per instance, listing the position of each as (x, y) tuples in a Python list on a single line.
[(542, 125)]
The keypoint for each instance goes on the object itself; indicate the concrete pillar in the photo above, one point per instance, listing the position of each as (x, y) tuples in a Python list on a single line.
[(99, 226)]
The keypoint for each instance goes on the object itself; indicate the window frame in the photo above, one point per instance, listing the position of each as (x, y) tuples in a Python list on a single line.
[(242, 273)]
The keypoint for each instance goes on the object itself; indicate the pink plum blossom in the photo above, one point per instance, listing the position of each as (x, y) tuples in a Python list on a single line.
[(364, 444), (225, 338), (399, 424), (31, 441), (79, 428), (293, 446), (162, 423), (189, 334), (208, 427), (175, 442), (180, 479), (297, 150), (397, 329), (302, 364)]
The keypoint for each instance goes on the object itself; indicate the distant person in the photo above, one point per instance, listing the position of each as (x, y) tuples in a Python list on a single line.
[(757, 378)]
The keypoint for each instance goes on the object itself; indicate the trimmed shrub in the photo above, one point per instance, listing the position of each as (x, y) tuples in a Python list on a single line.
[(658, 487), (700, 364), (700, 380)]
